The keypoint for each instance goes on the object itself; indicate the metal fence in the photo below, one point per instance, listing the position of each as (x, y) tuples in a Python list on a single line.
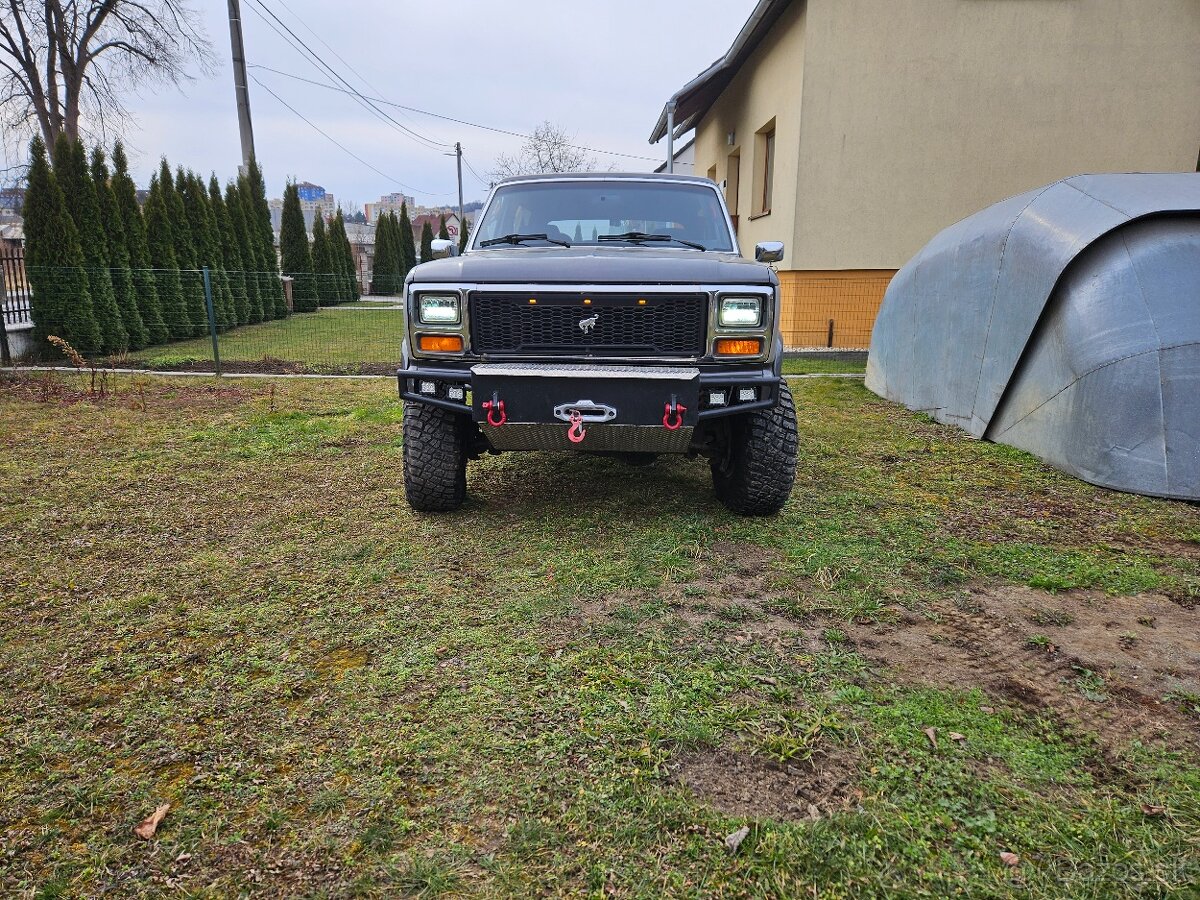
[(14, 289), (227, 322), (213, 323)]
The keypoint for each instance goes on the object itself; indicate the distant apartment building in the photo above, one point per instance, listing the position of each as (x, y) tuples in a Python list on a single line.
[(312, 198), (388, 203), (312, 192)]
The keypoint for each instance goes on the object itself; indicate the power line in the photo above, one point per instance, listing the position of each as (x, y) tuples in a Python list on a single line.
[(342, 146), (426, 112), (483, 181), (364, 101)]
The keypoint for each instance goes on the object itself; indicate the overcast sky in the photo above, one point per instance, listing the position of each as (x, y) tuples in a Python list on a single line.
[(600, 71)]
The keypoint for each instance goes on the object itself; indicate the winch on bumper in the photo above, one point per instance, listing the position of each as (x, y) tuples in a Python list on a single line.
[(589, 407)]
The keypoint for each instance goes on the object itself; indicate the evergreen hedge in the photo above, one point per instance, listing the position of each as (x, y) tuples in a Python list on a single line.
[(118, 253), (295, 253), (426, 243), (231, 254), (408, 248), (133, 225), (322, 261), (61, 304)]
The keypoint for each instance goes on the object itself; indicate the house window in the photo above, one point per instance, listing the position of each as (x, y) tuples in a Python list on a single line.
[(764, 175)]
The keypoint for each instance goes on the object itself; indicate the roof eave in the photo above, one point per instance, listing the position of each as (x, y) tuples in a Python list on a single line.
[(730, 61)]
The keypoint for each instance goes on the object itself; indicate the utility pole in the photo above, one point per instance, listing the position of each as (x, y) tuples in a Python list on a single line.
[(239, 83), (462, 222)]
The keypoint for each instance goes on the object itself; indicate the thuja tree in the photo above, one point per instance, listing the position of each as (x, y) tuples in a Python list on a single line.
[(343, 258), (134, 227), (408, 249), (322, 262), (160, 244), (259, 216), (70, 167), (208, 250), (231, 255), (294, 252), (426, 242), (118, 253), (194, 312), (464, 234), (60, 302), (400, 239), (443, 232), (241, 231), (385, 263)]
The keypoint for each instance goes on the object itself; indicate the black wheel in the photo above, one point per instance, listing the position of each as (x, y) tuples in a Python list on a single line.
[(755, 474), (435, 458)]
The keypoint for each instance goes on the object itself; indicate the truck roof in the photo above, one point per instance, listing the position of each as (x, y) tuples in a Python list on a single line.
[(606, 176)]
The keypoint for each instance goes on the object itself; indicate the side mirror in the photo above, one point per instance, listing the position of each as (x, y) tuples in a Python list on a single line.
[(769, 252), (443, 248)]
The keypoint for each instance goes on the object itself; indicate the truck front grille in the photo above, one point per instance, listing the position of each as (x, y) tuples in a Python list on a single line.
[(566, 324)]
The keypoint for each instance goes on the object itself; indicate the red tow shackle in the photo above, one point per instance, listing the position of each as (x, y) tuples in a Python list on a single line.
[(673, 417), (496, 416)]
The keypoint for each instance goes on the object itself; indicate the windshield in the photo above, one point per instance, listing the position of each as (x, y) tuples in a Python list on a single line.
[(583, 212)]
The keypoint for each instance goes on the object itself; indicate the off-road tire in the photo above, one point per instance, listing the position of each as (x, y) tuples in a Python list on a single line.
[(754, 477), (435, 458)]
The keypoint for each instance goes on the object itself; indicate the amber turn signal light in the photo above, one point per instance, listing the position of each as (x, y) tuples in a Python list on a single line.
[(739, 347), (441, 343)]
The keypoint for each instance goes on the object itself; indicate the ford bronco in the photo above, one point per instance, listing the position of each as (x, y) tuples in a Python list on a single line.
[(607, 314)]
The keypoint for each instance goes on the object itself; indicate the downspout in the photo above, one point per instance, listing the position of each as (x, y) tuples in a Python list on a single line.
[(671, 135)]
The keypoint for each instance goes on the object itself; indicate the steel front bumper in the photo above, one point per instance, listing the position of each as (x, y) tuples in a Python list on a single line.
[(591, 407)]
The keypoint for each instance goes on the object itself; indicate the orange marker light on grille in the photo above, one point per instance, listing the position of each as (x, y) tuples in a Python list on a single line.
[(587, 302), (739, 347), (641, 303), (532, 301), (441, 343)]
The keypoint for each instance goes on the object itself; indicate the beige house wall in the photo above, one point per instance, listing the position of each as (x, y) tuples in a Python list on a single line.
[(768, 86), (920, 112)]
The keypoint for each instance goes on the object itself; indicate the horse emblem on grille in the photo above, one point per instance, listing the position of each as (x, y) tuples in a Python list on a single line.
[(586, 325)]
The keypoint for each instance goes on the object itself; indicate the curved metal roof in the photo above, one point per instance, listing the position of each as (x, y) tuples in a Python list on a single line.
[(977, 307)]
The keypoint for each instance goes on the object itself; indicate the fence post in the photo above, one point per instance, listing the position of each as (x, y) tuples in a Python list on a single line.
[(5, 355), (212, 320)]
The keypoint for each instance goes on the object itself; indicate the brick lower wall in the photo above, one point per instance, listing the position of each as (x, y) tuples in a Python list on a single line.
[(850, 298)]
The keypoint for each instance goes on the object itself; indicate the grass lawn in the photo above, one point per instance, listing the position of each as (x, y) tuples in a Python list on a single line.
[(213, 595), (360, 337), (815, 365)]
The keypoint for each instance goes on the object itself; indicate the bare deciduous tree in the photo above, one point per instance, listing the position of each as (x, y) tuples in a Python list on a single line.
[(548, 149), (66, 65)]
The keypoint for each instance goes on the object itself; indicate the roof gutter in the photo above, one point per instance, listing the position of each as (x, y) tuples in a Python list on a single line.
[(760, 12)]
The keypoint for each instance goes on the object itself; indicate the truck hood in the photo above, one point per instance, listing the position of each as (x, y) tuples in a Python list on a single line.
[(593, 265)]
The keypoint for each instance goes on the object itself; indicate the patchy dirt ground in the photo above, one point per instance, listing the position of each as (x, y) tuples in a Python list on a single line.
[(740, 784), (1106, 664)]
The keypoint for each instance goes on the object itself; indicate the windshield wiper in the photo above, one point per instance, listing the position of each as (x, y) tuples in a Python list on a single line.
[(640, 237), (516, 239)]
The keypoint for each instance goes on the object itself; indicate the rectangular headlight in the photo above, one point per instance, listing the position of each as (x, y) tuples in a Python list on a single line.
[(439, 309), (741, 312)]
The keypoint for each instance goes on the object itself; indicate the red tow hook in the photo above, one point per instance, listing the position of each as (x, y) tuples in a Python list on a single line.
[(673, 409), (493, 407), (575, 431)]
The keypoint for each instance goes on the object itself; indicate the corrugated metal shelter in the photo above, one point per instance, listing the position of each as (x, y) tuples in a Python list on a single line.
[(1065, 322)]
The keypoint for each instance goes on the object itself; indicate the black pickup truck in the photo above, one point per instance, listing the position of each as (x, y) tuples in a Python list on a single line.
[(603, 313)]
